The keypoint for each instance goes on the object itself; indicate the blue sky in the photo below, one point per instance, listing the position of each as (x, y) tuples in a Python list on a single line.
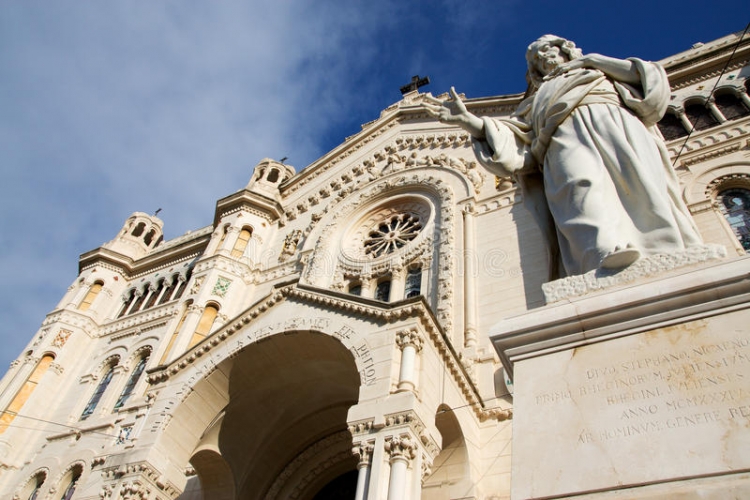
[(114, 107)]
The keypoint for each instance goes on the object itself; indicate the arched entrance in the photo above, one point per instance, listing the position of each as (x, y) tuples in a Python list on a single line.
[(283, 433)]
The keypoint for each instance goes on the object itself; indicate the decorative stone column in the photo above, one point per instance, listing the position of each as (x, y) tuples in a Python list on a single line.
[(410, 342), (684, 119), (398, 282), (715, 111), (470, 274), (136, 296), (401, 449), (364, 452)]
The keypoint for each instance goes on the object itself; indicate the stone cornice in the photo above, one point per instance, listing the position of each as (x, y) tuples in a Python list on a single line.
[(680, 67), (72, 318), (249, 201), (624, 311), (129, 268)]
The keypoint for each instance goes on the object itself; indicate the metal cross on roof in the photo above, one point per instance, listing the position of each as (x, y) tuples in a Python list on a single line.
[(415, 83)]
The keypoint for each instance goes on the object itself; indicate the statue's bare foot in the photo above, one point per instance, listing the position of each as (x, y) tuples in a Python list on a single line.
[(620, 257)]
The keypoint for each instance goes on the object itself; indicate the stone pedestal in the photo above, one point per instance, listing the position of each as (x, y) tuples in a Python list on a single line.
[(641, 391)]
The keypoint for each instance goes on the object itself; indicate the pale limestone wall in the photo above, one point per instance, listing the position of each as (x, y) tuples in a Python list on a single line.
[(391, 371)]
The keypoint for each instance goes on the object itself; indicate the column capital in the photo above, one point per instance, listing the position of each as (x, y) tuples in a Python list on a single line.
[(401, 448), (410, 337), (364, 451)]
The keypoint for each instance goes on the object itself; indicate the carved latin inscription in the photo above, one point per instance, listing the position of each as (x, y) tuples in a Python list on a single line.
[(677, 398)]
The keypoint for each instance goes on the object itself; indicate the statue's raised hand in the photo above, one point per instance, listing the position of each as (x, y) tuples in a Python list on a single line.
[(453, 111)]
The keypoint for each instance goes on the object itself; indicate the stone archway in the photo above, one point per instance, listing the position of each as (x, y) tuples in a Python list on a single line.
[(284, 432)]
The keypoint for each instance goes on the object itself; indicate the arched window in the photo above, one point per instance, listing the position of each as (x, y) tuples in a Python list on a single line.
[(273, 175), (149, 237), (70, 481), (355, 289), (32, 487), (132, 381), (90, 296), (734, 204), (241, 243), (700, 116), (181, 285), (128, 302), (731, 106), (671, 127), (99, 392), (413, 286), (25, 392), (383, 290), (139, 229), (154, 295), (205, 324), (139, 300), (169, 284)]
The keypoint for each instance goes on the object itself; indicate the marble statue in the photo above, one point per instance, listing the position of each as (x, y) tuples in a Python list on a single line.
[(584, 147)]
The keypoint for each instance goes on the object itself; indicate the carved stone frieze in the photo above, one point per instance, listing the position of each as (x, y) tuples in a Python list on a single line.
[(574, 286)]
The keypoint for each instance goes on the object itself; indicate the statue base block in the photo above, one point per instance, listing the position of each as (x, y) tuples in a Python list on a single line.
[(634, 392), (574, 286)]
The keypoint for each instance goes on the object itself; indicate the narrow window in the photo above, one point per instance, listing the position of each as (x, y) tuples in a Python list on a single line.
[(383, 291), (24, 392), (154, 295), (36, 483), (139, 300), (181, 286), (204, 325), (98, 393), (166, 295), (273, 176), (149, 237), (731, 106), (132, 381), (413, 283), (241, 243), (139, 229), (90, 296), (75, 475), (700, 116), (734, 204), (126, 305), (671, 127)]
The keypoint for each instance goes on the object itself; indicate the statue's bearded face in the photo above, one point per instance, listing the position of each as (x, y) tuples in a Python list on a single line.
[(548, 57)]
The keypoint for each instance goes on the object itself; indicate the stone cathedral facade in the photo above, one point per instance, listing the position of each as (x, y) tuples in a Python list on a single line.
[(327, 334)]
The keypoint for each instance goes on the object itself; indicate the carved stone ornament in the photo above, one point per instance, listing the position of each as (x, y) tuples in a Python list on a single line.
[(401, 448), (409, 337)]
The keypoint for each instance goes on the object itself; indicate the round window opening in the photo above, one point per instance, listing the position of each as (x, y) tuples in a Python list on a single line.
[(392, 233), (392, 229)]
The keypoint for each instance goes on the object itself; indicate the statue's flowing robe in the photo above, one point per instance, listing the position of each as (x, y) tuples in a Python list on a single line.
[(606, 179)]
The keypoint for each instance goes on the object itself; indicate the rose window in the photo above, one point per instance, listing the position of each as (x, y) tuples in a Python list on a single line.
[(392, 234)]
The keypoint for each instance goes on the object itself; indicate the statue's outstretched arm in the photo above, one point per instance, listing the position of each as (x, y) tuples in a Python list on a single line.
[(453, 111)]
